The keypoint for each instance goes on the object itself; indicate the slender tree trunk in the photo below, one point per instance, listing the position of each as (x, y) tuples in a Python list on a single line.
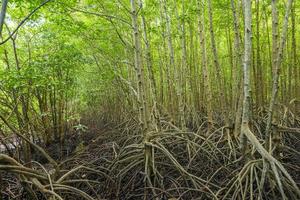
[(220, 80), (143, 102), (139, 68), (14, 94), (294, 56), (149, 63), (172, 65), (260, 85), (165, 99), (246, 69), (274, 34), (277, 63), (231, 61), (181, 71), (193, 69), (206, 77), (238, 103), (270, 53), (24, 103), (2, 14), (161, 78), (53, 100), (42, 102)]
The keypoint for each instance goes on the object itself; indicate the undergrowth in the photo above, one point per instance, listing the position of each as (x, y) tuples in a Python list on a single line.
[(186, 164)]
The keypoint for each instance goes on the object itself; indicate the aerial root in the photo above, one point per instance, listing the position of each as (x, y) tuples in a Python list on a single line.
[(43, 181), (255, 172)]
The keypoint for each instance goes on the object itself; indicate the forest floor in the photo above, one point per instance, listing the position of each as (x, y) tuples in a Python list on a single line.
[(102, 148), (114, 170)]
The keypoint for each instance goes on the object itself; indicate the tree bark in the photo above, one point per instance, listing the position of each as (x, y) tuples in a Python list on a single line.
[(153, 90), (205, 72), (2, 14), (238, 103), (274, 35), (277, 63), (142, 101), (220, 80), (246, 72)]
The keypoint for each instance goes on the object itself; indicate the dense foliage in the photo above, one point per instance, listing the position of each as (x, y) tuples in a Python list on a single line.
[(153, 99)]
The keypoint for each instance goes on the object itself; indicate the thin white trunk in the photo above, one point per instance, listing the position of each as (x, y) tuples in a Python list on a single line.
[(246, 70)]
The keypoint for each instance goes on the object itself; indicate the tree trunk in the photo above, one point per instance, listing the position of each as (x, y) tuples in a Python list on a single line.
[(142, 101), (277, 62), (274, 35), (238, 103), (206, 77), (181, 71), (172, 65), (220, 80), (246, 70), (153, 90), (25, 118), (2, 14), (294, 57)]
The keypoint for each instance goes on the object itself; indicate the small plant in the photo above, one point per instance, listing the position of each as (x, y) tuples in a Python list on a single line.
[(80, 128)]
